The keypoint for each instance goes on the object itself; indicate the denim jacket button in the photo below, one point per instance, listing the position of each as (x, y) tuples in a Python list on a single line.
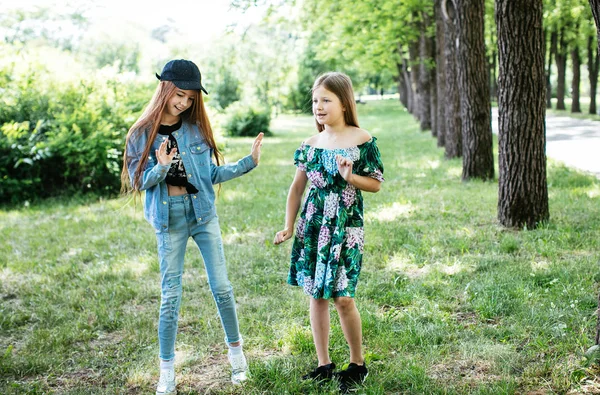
[(199, 219), (189, 175), (164, 202), (195, 196), (183, 153)]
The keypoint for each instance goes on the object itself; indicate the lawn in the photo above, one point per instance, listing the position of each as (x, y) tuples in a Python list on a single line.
[(451, 302)]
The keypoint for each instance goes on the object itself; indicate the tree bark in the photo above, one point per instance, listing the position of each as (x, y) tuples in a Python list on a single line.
[(425, 75), (576, 81), (592, 67), (433, 88), (475, 108), (595, 5), (413, 54), (401, 85), (553, 44), (440, 74), (522, 184), (410, 93), (492, 70), (453, 140), (561, 66)]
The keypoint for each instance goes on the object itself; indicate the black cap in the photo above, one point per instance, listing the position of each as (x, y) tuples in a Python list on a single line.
[(183, 73)]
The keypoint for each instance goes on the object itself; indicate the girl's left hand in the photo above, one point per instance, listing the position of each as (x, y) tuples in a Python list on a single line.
[(256, 148), (344, 167)]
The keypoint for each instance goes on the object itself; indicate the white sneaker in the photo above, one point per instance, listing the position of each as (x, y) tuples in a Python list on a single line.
[(166, 382), (239, 367)]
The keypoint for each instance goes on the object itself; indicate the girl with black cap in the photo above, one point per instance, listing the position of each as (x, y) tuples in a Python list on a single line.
[(168, 154)]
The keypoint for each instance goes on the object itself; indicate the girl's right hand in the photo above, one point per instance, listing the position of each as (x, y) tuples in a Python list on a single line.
[(282, 236), (161, 154)]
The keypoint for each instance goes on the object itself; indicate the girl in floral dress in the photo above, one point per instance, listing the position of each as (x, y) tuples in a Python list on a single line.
[(340, 161)]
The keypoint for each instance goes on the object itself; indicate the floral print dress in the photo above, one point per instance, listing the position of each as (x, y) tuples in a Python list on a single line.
[(328, 246)]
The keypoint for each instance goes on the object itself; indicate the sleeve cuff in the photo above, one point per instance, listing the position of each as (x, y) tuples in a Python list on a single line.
[(247, 163), (162, 169)]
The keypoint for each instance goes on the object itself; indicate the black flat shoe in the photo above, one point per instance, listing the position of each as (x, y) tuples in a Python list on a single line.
[(353, 375), (324, 372)]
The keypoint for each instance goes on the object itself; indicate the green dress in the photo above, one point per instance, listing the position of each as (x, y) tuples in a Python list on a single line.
[(328, 245)]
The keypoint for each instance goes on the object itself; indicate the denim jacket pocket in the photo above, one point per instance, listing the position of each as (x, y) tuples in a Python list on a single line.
[(198, 148), (200, 152)]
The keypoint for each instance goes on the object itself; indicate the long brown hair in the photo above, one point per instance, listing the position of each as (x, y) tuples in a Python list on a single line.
[(149, 122), (341, 85)]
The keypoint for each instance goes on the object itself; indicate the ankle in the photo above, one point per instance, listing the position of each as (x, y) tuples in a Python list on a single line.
[(167, 364)]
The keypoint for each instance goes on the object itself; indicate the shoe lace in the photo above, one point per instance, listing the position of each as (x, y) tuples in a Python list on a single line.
[(166, 376), (238, 363)]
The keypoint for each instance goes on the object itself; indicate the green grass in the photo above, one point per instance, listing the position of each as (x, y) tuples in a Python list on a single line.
[(451, 302)]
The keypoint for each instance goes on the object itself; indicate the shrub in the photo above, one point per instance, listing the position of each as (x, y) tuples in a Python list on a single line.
[(63, 137), (246, 120)]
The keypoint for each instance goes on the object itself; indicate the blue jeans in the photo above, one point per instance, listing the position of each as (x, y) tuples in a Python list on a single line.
[(171, 250)]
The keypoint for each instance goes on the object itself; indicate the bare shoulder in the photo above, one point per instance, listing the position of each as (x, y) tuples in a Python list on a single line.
[(362, 136), (312, 140)]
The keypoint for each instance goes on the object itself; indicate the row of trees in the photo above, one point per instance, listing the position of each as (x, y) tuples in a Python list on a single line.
[(451, 58)]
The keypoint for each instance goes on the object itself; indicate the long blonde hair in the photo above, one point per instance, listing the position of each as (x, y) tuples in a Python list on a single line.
[(150, 121), (341, 85)]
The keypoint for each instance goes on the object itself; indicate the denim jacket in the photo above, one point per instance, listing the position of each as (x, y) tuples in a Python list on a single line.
[(202, 173)]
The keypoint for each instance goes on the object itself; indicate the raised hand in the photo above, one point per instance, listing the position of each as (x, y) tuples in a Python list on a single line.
[(344, 167), (282, 236), (256, 147), (162, 156)]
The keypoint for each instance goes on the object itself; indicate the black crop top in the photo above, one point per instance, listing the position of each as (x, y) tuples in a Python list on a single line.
[(176, 175)]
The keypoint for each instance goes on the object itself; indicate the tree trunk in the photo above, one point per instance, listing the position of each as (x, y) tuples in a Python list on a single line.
[(410, 94), (576, 81), (595, 5), (425, 75), (401, 85), (433, 89), (593, 72), (440, 74), (433, 101), (413, 54), (492, 69), (475, 109), (522, 184), (453, 140), (561, 65), (553, 43)]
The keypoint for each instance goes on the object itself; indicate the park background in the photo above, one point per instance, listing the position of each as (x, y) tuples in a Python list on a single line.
[(459, 293)]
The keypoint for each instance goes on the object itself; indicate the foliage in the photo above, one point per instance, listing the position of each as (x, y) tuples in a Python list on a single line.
[(61, 27), (246, 120), (125, 56), (63, 137), (227, 89)]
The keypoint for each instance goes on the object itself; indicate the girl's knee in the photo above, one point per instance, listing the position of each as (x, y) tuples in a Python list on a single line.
[(223, 294), (344, 303)]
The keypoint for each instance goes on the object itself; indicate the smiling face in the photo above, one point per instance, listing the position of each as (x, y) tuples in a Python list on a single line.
[(327, 107), (177, 104)]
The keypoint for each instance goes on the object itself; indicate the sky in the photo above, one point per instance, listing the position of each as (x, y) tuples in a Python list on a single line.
[(205, 19)]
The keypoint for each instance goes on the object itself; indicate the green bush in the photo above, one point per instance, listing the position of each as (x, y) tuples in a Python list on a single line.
[(227, 90), (63, 137), (246, 120)]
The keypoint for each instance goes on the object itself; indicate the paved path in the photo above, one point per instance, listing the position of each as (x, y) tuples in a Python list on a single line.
[(575, 142)]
